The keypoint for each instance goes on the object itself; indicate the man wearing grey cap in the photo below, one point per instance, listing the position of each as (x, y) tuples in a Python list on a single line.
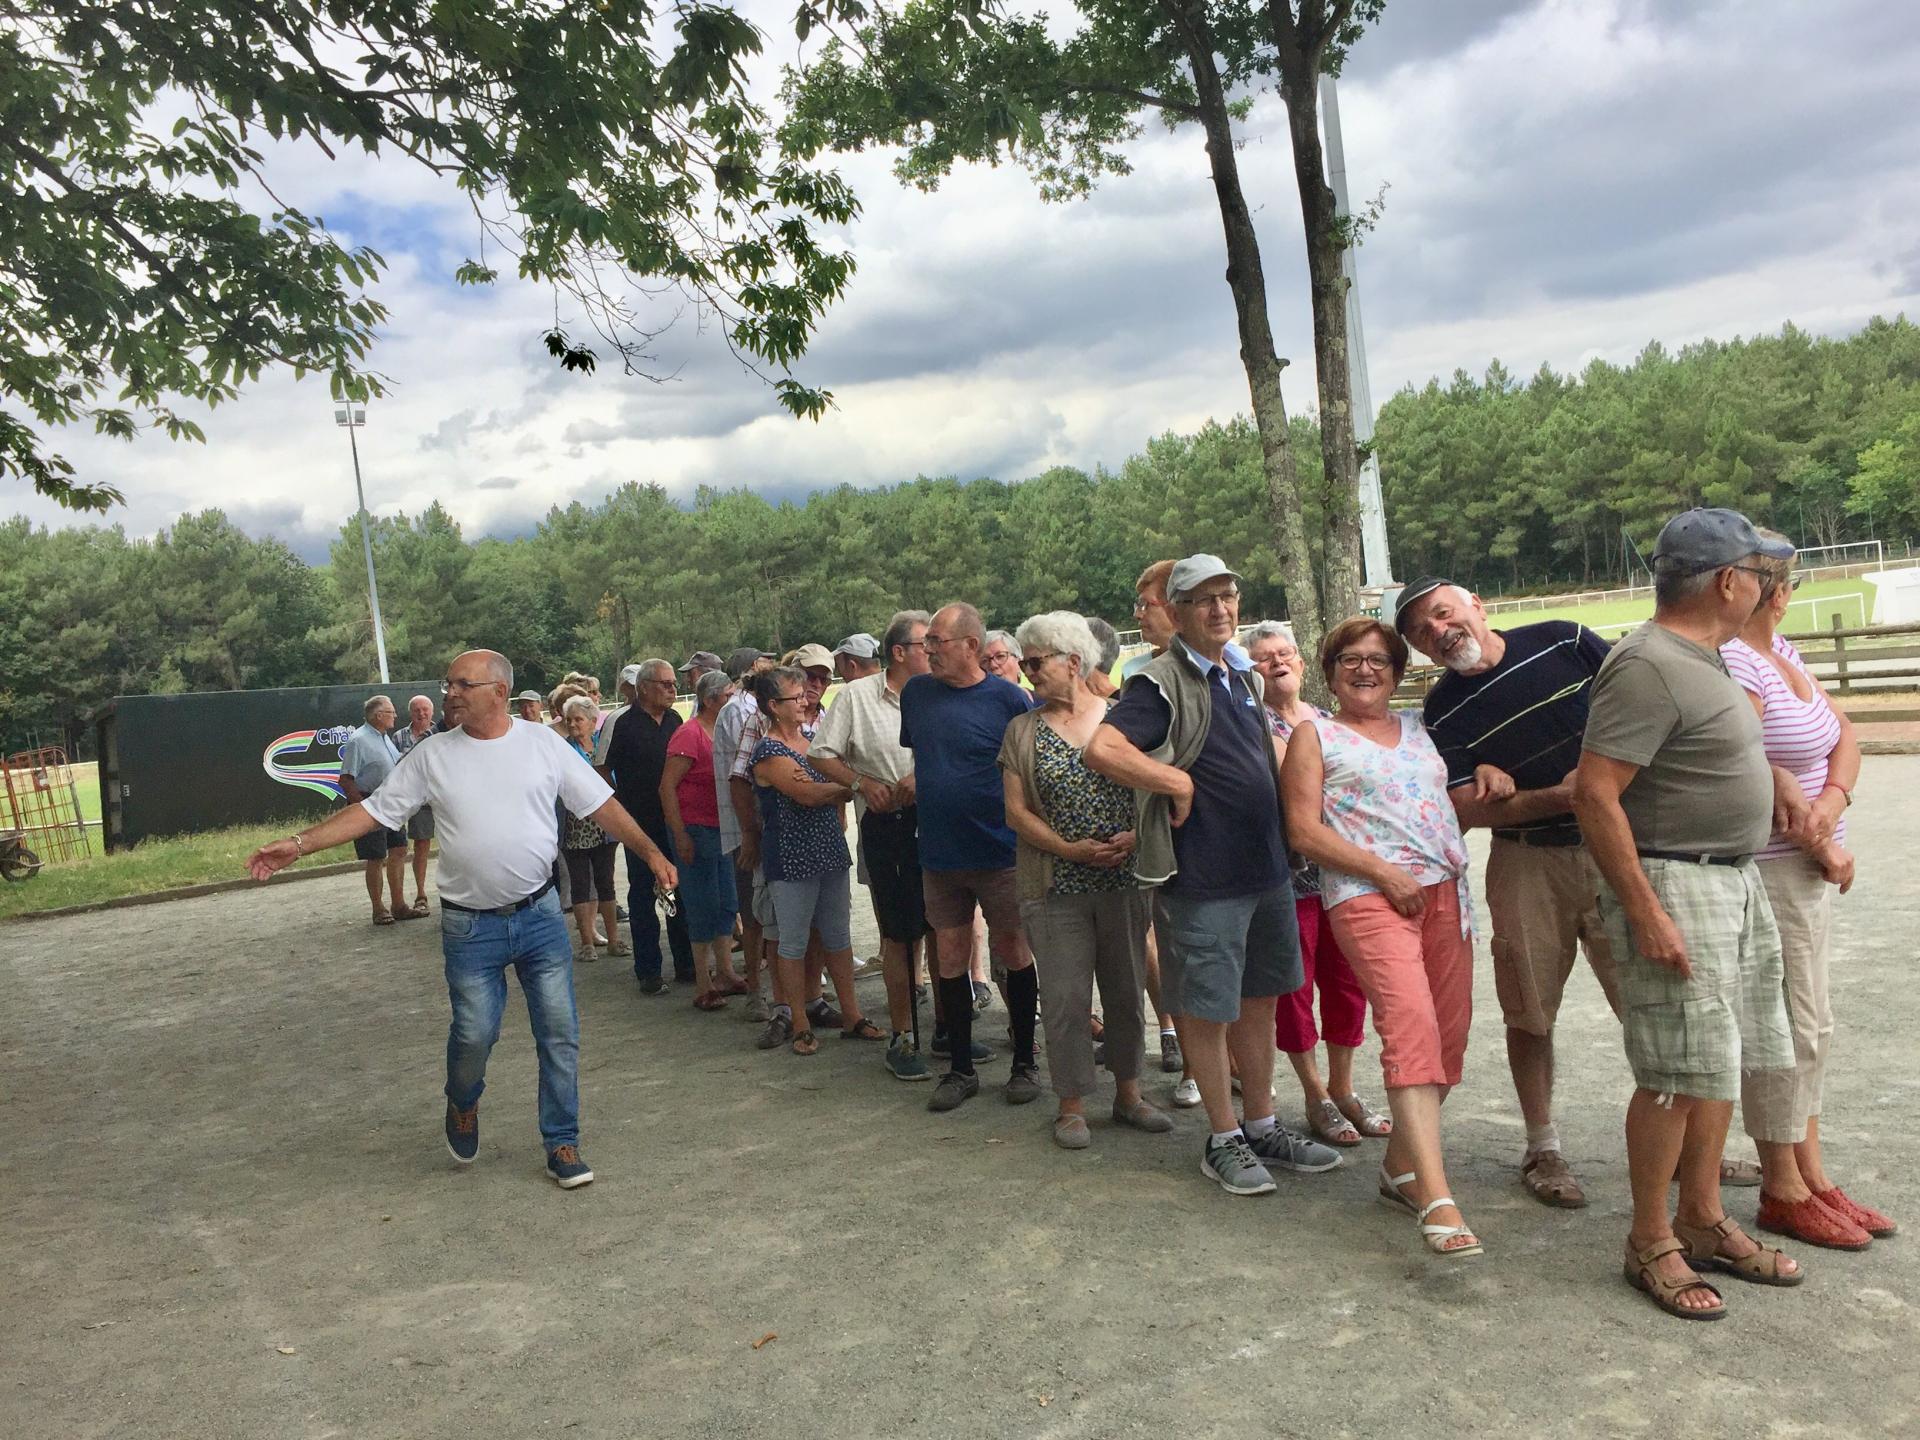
[(856, 657), (1189, 734), (1674, 795), (698, 664)]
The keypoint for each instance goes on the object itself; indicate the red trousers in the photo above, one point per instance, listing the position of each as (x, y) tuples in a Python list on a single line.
[(1343, 1005)]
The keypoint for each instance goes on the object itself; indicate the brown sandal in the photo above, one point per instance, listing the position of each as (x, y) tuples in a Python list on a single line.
[(1664, 1292), (863, 1029), (806, 1043), (1550, 1180), (382, 917), (1760, 1268)]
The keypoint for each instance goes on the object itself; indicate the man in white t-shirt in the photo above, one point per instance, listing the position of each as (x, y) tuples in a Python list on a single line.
[(492, 781)]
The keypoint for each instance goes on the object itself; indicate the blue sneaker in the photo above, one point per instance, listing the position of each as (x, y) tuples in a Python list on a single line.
[(943, 1048), (463, 1132), (567, 1168), (904, 1062)]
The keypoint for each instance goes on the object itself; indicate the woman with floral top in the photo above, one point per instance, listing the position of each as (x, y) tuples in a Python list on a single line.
[(1334, 1112), (1365, 796), (1084, 911)]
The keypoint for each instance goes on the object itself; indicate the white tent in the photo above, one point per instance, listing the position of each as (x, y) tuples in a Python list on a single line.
[(1896, 596)]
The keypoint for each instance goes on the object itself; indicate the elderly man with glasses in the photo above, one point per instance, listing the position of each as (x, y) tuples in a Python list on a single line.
[(631, 753), (1189, 734), (493, 782)]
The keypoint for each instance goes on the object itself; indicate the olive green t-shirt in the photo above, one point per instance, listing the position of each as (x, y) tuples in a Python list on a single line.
[(1668, 705)]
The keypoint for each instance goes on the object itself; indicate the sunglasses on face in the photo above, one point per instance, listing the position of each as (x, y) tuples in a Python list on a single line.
[(1034, 664)]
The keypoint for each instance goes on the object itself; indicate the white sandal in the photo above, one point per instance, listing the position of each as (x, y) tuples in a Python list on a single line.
[(1435, 1236)]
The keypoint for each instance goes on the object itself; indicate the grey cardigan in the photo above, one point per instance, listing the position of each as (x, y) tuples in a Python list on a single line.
[(1185, 690)]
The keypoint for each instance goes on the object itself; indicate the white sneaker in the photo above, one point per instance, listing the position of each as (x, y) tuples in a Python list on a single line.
[(1186, 1094)]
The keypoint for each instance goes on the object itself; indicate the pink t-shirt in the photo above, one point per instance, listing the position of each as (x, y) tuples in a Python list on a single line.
[(1800, 734), (699, 804)]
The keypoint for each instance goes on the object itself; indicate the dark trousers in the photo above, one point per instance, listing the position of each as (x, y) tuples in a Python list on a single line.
[(644, 921)]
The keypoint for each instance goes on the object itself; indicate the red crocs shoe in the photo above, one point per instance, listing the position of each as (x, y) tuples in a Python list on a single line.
[(1865, 1216), (1811, 1223)]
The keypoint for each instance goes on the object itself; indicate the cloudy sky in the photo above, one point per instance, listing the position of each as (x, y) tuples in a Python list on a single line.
[(1568, 179)]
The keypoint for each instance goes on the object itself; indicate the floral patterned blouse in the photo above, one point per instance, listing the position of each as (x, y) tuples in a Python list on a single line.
[(1392, 802), (1306, 874), (1080, 805)]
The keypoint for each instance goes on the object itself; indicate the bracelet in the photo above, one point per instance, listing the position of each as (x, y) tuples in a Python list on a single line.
[(298, 848), (1846, 793)]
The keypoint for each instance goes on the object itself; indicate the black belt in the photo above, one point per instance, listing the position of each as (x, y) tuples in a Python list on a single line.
[(1686, 858), (1541, 839), (513, 909)]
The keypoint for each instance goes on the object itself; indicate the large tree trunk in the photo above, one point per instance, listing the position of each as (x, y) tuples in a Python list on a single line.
[(1340, 571), (1247, 280)]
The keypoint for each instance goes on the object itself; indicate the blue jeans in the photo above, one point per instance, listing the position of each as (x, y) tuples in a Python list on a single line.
[(478, 950), (644, 921), (707, 890)]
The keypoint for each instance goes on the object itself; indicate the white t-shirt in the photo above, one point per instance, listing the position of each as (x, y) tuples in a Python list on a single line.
[(492, 807)]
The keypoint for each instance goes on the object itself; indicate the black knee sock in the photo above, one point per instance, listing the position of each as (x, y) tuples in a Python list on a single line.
[(957, 997), (1023, 1003)]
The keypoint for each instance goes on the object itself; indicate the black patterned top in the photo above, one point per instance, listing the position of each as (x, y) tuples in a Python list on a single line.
[(1080, 805)]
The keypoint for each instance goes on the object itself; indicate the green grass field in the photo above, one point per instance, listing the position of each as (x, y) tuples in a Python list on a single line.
[(155, 865), (1814, 607)]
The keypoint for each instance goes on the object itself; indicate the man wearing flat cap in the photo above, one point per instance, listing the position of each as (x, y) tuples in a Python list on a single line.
[(1674, 795), (1516, 700)]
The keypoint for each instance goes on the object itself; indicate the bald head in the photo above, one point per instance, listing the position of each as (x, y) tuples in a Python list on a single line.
[(954, 642), (478, 684)]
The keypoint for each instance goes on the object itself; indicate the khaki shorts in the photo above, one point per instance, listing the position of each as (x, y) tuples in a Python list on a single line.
[(1697, 1036), (1545, 904)]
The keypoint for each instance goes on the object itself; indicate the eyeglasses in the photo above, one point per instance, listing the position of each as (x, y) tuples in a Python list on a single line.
[(1034, 664), (1765, 577), (669, 900), (779, 699), (933, 641), (1144, 604), (1352, 663), (995, 657), (1219, 600), (447, 687), (910, 644)]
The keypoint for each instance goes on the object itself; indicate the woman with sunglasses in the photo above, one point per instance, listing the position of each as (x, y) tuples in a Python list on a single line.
[(803, 849), (1084, 912), (1365, 796), (1811, 740)]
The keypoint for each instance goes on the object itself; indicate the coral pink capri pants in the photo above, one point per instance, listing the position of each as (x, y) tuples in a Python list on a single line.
[(1417, 972)]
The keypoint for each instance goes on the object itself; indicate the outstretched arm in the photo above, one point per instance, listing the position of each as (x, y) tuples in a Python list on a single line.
[(337, 829)]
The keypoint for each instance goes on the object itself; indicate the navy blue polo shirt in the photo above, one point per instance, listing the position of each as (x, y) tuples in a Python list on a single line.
[(954, 734), (1231, 842)]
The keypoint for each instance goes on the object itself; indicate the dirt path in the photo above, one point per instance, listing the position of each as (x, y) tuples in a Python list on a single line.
[(220, 1126)]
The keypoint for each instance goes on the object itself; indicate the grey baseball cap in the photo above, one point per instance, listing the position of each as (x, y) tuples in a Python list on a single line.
[(744, 659), (534, 695), (702, 660), (1702, 540), (1194, 571), (860, 645)]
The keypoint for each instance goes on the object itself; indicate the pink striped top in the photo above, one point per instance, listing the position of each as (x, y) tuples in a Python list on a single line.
[(1800, 734)]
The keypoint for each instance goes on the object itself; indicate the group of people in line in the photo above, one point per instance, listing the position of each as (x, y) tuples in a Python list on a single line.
[(1201, 845)]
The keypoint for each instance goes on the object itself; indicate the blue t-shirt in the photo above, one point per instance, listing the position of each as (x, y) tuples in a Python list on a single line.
[(369, 757), (955, 736), (1230, 844)]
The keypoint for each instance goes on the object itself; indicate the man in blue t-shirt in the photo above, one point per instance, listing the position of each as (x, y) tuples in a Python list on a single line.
[(1517, 700), (1191, 727), (953, 719)]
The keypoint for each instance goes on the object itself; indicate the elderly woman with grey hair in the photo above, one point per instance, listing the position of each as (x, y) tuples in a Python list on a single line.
[(1084, 911), (692, 810), (588, 849), (1000, 655)]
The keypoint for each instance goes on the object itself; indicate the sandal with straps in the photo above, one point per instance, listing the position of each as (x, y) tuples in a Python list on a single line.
[(806, 1043), (1390, 1190), (1703, 1244), (1664, 1291), (1364, 1118), (1434, 1236), (1327, 1123)]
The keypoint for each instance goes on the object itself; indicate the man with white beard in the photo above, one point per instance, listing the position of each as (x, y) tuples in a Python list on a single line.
[(1517, 700)]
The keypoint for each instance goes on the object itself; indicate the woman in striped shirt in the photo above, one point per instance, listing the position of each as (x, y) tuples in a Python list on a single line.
[(1807, 736)]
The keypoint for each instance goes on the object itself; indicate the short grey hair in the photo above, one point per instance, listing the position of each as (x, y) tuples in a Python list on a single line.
[(1673, 589), (374, 702), (1270, 630), (579, 705), (1108, 639), (1062, 632), (710, 684), (993, 635), (654, 663), (900, 631)]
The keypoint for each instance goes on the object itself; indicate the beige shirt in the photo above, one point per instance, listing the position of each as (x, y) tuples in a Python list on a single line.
[(862, 729), (1668, 705)]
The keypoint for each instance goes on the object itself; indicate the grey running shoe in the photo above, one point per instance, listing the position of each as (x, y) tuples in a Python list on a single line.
[(953, 1091), (1023, 1085), (758, 1010), (778, 1032), (982, 996), (1186, 1094), (1293, 1151), (1234, 1166), (1172, 1062)]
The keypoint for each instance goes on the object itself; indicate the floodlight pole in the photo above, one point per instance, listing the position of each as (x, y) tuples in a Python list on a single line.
[(351, 419), (1373, 510)]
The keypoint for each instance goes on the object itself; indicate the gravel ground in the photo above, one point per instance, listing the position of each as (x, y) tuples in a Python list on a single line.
[(228, 1212)]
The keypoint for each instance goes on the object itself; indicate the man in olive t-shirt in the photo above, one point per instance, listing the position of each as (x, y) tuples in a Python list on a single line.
[(1674, 794)]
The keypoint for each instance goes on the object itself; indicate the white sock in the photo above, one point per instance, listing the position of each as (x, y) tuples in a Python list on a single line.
[(1542, 1138), (1256, 1128), (1169, 1031), (1221, 1137)]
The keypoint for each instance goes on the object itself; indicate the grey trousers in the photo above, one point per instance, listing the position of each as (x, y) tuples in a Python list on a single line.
[(1080, 941)]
